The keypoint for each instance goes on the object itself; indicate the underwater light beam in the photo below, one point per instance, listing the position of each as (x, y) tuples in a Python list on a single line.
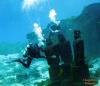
[(31, 4)]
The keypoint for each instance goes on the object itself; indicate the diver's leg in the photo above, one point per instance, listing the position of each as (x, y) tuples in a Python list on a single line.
[(26, 63), (29, 60)]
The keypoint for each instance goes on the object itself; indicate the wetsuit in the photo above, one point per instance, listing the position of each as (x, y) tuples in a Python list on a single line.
[(31, 52)]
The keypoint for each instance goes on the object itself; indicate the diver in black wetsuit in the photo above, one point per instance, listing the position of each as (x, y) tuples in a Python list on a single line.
[(51, 50), (59, 46), (58, 53), (30, 53)]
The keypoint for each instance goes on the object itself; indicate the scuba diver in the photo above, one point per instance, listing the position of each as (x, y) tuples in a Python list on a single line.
[(59, 45), (51, 50), (58, 52), (35, 46), (30, 53)]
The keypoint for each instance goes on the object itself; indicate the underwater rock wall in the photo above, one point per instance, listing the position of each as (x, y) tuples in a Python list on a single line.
[(89, 23)]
